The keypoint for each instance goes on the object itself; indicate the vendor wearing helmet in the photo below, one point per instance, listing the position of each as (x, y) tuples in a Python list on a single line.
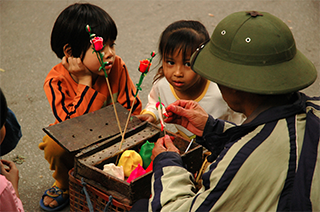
[(271, 161)]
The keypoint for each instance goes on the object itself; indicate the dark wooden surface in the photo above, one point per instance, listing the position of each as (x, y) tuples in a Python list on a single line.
[(91, 128)]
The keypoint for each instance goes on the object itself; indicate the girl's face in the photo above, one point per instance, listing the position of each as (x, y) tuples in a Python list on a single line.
[(178, 72), (91, 61)]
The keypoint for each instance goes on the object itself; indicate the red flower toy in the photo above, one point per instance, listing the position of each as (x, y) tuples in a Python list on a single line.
[(97, 43), (144, 65), (144, 68)]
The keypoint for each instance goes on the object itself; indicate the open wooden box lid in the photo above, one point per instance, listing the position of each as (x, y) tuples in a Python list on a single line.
[(90, 129)]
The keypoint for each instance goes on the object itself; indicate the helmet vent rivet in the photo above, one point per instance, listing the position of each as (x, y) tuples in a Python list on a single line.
[(248, 40), (223, 32)]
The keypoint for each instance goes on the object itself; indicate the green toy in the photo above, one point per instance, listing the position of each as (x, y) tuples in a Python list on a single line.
[(145, 153)]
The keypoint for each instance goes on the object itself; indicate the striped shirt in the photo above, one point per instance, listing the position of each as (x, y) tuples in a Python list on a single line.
[(269, 164), (69, 99)]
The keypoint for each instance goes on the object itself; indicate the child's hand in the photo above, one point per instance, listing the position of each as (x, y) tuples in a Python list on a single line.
[(12, 173), (80, 73), (146, 117)]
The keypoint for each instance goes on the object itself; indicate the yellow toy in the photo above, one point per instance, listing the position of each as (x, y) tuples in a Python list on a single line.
[(129, 160)]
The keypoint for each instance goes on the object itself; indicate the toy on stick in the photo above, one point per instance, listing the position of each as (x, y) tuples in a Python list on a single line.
[(162, 112), (144, 68), (98, 45)]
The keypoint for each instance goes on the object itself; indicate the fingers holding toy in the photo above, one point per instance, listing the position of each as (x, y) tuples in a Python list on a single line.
[(168, 141), (164, 144), (188, 114)]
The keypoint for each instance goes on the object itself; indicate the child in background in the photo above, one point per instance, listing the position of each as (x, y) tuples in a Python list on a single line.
[(9, 177), (13, 133), (76, 86), (176, 80)]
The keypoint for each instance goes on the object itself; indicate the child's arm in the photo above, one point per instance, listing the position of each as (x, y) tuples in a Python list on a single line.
[(11, 173), (146, 117), (150, 108), (8, 198), (69, 99)]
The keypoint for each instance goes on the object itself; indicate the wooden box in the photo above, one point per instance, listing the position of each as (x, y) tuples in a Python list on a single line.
[(96, 139)]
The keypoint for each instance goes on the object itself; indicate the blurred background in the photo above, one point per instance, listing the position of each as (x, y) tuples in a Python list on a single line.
[(26, 57)]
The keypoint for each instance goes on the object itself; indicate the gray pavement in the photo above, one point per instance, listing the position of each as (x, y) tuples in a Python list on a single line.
[(26, 57)]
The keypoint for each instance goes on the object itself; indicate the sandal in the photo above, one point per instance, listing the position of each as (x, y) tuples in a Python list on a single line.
[(57, 194)]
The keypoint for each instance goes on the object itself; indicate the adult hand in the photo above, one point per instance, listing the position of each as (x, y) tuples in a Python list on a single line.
[(11, 173), (163, 144), (146, 117), (79, 72), (188, 114)]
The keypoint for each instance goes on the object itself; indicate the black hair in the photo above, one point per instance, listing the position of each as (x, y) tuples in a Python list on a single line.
[(184, 36), (3, 109), (70, 28)]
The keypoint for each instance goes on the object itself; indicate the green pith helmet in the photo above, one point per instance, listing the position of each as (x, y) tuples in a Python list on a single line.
[(254, 52)]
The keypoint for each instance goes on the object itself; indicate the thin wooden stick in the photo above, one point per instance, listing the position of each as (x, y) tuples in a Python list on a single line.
[(114, 106), (201, 170), (125, 128), (138, 88), (129, 116)]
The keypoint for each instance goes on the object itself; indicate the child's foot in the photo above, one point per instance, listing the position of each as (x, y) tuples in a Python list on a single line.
[(54, 199)]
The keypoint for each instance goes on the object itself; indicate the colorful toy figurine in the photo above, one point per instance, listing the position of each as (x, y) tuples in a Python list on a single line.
[(146, 152), (137, 172), (162, 112), (129, 160), (112, 169)]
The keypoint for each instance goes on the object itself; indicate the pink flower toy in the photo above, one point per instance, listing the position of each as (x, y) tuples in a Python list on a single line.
[(98, 45)]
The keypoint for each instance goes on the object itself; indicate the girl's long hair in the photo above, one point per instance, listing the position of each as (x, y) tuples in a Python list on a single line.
[(183, 36)]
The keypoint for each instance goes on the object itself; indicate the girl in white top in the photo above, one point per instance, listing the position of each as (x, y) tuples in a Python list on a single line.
[(176, 80)]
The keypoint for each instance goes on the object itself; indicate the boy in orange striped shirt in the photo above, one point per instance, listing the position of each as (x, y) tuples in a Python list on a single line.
[(76, 86)]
